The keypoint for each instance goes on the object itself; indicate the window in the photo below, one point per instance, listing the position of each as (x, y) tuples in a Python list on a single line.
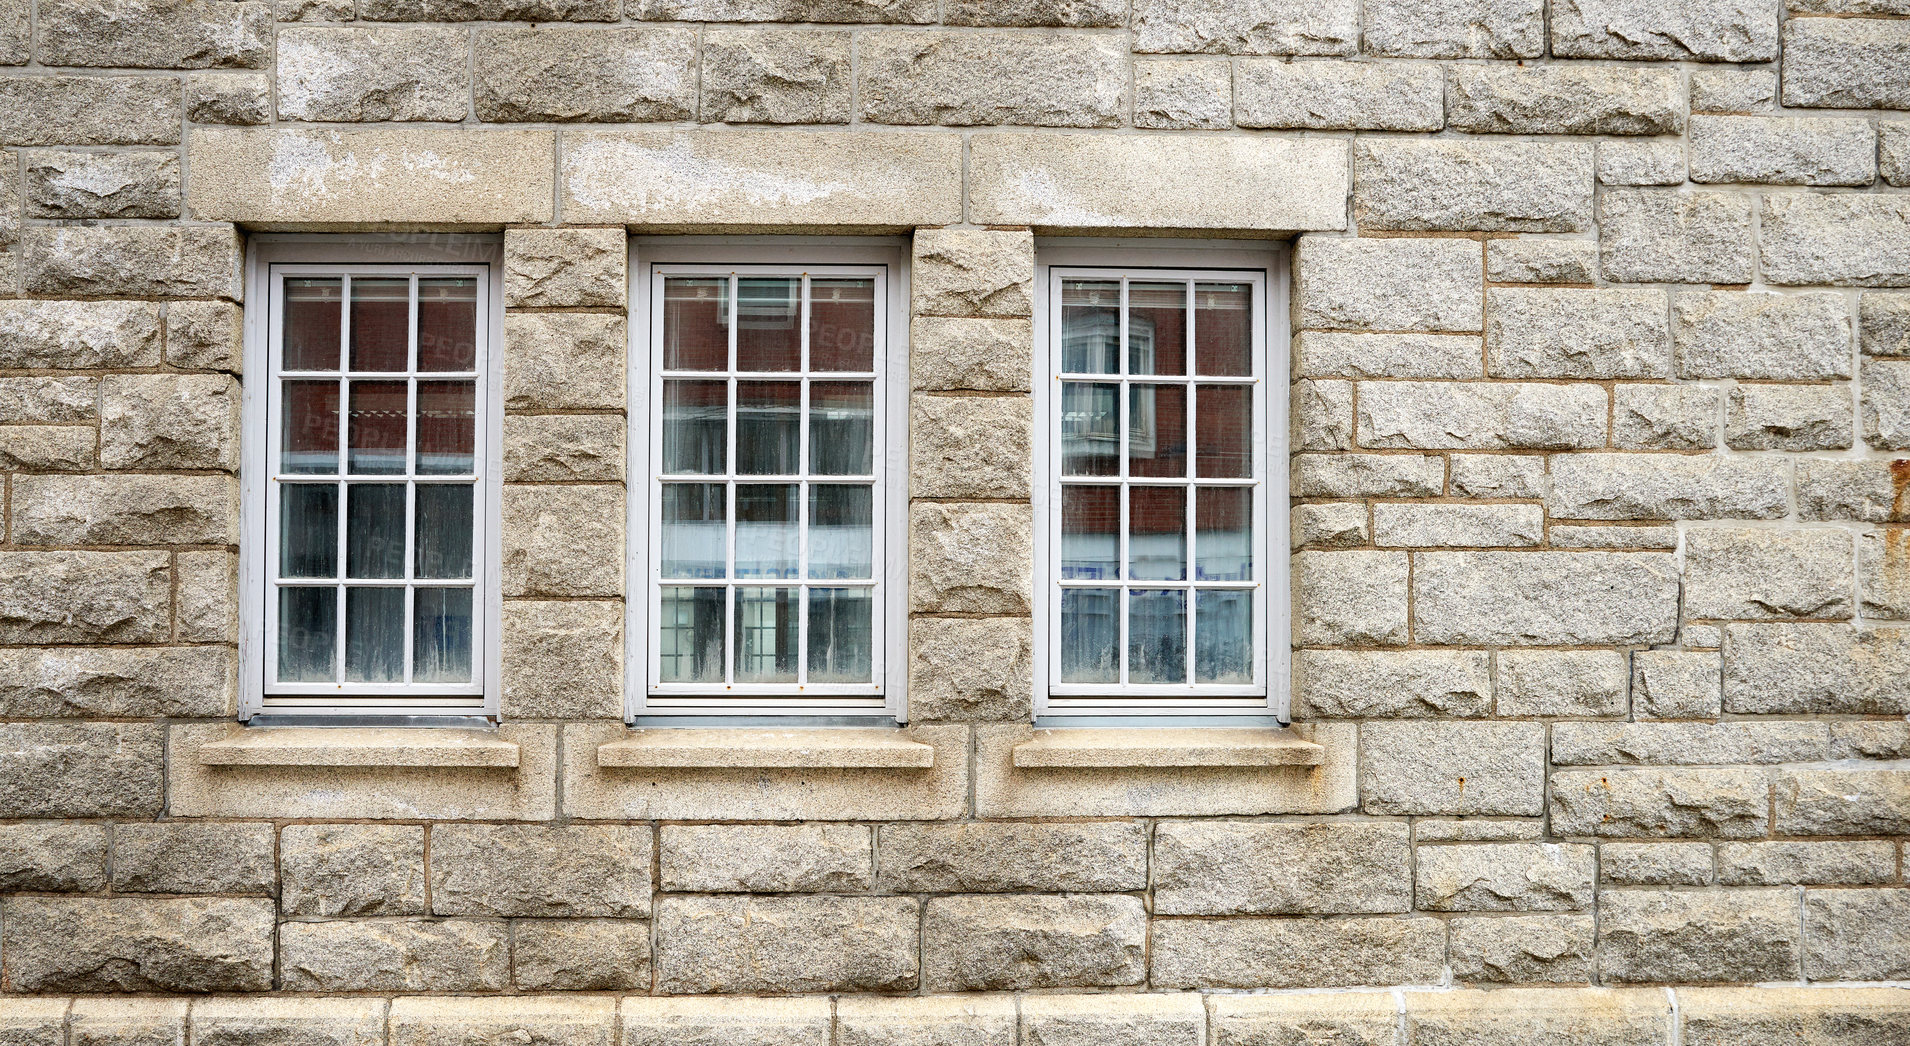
[(766, 523), (369, 536), (1162, 455)]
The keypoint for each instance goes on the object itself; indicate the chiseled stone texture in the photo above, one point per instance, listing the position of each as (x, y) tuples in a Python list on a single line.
[(557, 540), (1840, 239), (1657, 864), (1734, 935), (1452, 768), (562, 659), (1651, 803), (1815, 669), (775, 76), (1337, 95), (1182, 95), (1664, 417), (89, 110), (183, 857), (1593, 1016), (1769, 417), (81, 769), (352, 869), (241, 99), (134, 261), (1454, 28), (1330, 27), (1733, 89), (970, 447), (1809, 864), (564, 268), (1858, 1016), (356, 74), (594, 75), (1564, 99), (1641, 161), (766, 858), (1705, 30), (1545, 598), (1431, 684), (1847, 63), (1666, 236), (1392, 284), (981, 943), (359, 955), (563, 360), (1767, 574), (1523, 949), (155, 34), (1576, 333), (1790, 150), (1730, 334), (538, 870), (580, 954), (1541, 261), (556, 448), (971, 669), (984, 857), (718, 944), (1560, 683), (66, 184), (1349, 598), (84, 597), (925, 76), (108, 682), (1884, 323), (121, 944), (52, 857), (1293, 953), (970, 558), (1656, 486), (1456, 185), (1318, 868)]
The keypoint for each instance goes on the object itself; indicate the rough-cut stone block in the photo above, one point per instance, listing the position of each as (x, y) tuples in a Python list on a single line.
[(1454, 28), (563, 360), (1842, 239), (1320, 415), (1033, 941), (1181, 95), (1448, 185), (1433, 684), (1582, 744), (1001, 858), (1649, 803), (81, 769), (557, 448), (1641, 161), (204, 335), (78, 335), (1893, 153), (238, 1021), (1737, 935), (1776, 417), (1856, 935), (595, 75), (1729, 334), (970, 558), (382, 955), (1338, 525), (957, 1020), (563, 540), (1387, 284), (1560, 683), (1658, 486), (480, 10), (1254, 27), (132, 261), (1808, 864), (1544, 598), (1526, 949), (971, 670), (1883, 319), (1295, 953), (1656, 864), (155, 34), (124, 509), (1452, 768), (1480, 416), (565, 268), (969, 272), (1551, 333), (1847, 63), (1564, 99), (1498, 476), (563, 659), (725, 1022), (1787, 150), (1664, 417), (929, 76), (1666, 236), (49, 400), (970, 447), (580, 955), (726, 944), (1843, 802), (556, 1021), (353, 74), (815, 858), (84, 597), (1848, 1016), (1113, 182), (1272, 92), (169, 421), (1886, 403), (1541, 261), (1884, 585), (1704, 30), (63, 184), (241, 99), (882, 11), (1768, 574), (184, 857), (1112, 1020), (122, 944), (110, 1021), (1733, 90), (537, 870), (1673, 684), (1472, 526), (1349, 598), (951, 354), (1816, 669), (1320, 868), (1591, 1016), (89, 110), (776, 76), (1339, 354), (112, 682), (1870, 491), (1870, 739), (352, 869), (1367, 475), (52, 857)]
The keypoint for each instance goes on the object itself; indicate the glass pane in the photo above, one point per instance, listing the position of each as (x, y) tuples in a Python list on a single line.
[(694, 530), (375, 530), (308, 433), (312, 328), (1223, 329), (768, 421), (842, 428), (841, 635), (768, 327), (841, 530), (1157, 430), (696, 322), (308, 530), (842, 325), (695, 427), (380, 324), (1223, 534), (377, 423), (1090, 429), (441, 636), (1157, 328), (1090, 533), (308, 635), (1225, 432), (447, 324), (443, 530), (765, 635), (1223, 637), (1091, 326), (447, 427), (1157, 533), (375, 635), (766, 529), (1157, 636), (1089, 635), (690, 635)]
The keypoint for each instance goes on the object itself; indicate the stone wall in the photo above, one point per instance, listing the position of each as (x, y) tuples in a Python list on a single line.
[(1601, 321)]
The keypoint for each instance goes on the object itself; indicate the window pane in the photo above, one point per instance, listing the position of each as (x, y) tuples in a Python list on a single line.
[(375, 635), (768, 328), (447, 427), (695, 427), (1223, 329), (1226, 431), (1223, 637), (841, 530), (765, 635), (766, 530), (1091, 326), (1157, 533), (443, 530), (1157, 636), (312, 329), (375, 530), (377, 422), (441, 636), (1223, 534), (308, 431), (842, 325), (696, 318), (841, 635), (1090, 533), (690, 636), (380, 324), (1090, 429), (1089, 635), (1157, 328), (767, 423), (308, 631), (842, 428), (447, 324), (308, 530), (1157, 430), (695, 530)]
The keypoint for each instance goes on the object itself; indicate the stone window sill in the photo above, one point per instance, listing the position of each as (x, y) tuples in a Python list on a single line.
[(357, 746), (1065, 748), (807, 748)]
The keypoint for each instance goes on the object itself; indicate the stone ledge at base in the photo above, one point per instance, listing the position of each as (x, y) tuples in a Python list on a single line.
[(1078, 747), (359, 746), (834, 748), (1774, 1016)]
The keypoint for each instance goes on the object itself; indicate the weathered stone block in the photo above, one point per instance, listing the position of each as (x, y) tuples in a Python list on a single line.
[(124, 509), (1256, 27), (1641, 161), (204, 335), (563, 540), (1320, 415), (971, 669), (726, 944), (1593, 1016), (84, 597), (1295, 953), (1664, 236), (563, 360), (1729, 334), (295, 1022), (563, 660), (188, 857), (1472, 526), (1870, 739), (1649, 803), (242, 99), (595, 75), (1842, 239), (1349, 598), (1125, 1019), (1002, 857), (1581, 744), (1498, 476), (352, 869), (720, 1021), (1545, 598), (1808, 864), (47, 448), (970, 447), (1737, 935), (1858, 1016), (1704, 30), (132, 261), (52, 857), (1733, 90), (62, 184), (1768, 574), (486, 10), (383, 955), (110, 1021), (1452, 768), (776, 76), (1847, 63), (1560, 683), (1272, 92), (1883, 319), (1503, 877), (814, 858), (1529, 949), (206, 610), (156, 34), (1614, 537), (1541, 261), (1776, 417), (1368, 475), (89, 110), (1886, 403), (1791, 150), (169, 421), (1348, 1018), (884, 11), (127, 944), (565, 268), (1856, 935), (559, 448), (970, 558), (1656, 864), (354, 74), (1893, 153), (1338, 354), (1843, 802), (1181, 95), (1883, 584), (556, 1021), (1338, 525), (1555, 333), (1387, 284), (1454, 29), (958, 1020), (49, 400), (1658, 486), (1676, 684), (116, 682), (1033, 941), (580, 954), (1445, 185), (538, 870), (1815, 669), (1433, 684), (1564, 99), (963, 272), (949, 354), (922, 76), (1664, 417), (1319, 868), (81, 769), (79, 335)]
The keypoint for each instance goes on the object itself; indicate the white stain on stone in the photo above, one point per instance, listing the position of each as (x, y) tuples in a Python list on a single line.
[(614, 173)]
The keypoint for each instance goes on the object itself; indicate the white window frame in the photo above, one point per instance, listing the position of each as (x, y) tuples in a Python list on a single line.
[(269, 258), (885, 699), (1269, 698)]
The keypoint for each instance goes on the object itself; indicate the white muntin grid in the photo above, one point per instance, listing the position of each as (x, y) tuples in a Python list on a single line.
[(339, 694), (730, 696), (1121, 696)]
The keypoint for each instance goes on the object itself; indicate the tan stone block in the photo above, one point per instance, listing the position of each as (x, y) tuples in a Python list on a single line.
[(1592, 1016), (970, 446), (48, 448), (1341, 1018), (35, 1022), (756, 75), (727, 943), (563, 361), (188, 857), (205, 335), (1113, 1020), (169, 421), (808, 858), (560, 448), (1296, 953), (84, 597), (758, 794), (949, 354), (89, 110), (563, 540), (138, 944), (55, 769), (52, 856), (347, 177), (1844, 1016), (580, 954), (1059, 182), (125, 510), (540, 870), (132, 261), (352, 869), (947, 1020), (372, 73), (562, 660), (776, 179), (208, 603), (971, 669), (725, 1022), (107, 1021), (239, 1021), (972, 272), (933, 76), (1020, 941), (565, 268), (548, 1021), (616, 74), (971, 558), (346, 955), (79, 334)]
